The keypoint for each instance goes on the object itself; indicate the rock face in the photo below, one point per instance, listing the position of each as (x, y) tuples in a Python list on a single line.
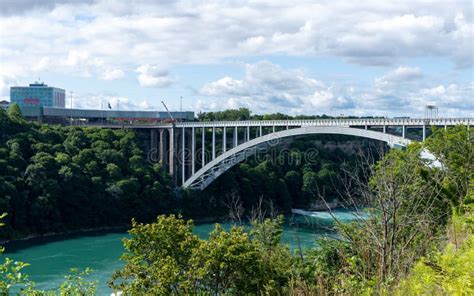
[(321, 206)]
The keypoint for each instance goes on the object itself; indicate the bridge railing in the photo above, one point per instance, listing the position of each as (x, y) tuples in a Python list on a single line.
[(331, 122), (292, 123)]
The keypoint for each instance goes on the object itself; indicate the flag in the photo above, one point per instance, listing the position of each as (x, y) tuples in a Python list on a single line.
[(110, 107)]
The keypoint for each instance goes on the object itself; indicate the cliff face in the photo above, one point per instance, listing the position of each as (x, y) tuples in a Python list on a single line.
[(349, 146), (321, 206)]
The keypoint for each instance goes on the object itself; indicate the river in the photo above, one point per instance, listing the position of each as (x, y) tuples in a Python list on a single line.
[(51, 258)]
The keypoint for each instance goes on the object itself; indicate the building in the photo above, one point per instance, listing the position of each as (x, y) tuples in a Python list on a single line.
[(44, 103), (100, 117), (4, 104), (38, 95)]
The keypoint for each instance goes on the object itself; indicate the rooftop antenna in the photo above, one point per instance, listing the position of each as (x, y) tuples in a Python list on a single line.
[(169, 113), (181, 104)]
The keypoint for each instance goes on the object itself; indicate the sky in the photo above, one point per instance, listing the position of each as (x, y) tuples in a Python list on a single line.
[(377, 58)]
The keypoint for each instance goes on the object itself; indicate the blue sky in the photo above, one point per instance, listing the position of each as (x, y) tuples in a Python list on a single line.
[(299, 57)]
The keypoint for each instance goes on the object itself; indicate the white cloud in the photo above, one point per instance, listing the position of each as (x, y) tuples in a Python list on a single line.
[(107, 39), (454, 97), (5, 82), (122, 36), (402, 75), (153, 76), (404, 90), (270, 88), (113, 74)]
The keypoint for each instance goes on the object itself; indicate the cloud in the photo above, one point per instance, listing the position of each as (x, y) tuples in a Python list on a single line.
[(107, 39), (113, 74), (402, 76), (6, 82), (266, 87), (21, 6), (153, 76), (124, 36), (457, 98)]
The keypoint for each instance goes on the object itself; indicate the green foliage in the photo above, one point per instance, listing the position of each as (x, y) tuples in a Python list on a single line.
[(454, 148), (165, 258), (55, 178), (157, 258), (76, 284), (245, 114), (11, 275), (14, 113), (448, 273), (412, 206), (227, 263), (230, 114)]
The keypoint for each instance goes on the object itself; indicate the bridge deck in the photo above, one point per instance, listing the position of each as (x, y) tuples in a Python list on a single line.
[(298, 123)]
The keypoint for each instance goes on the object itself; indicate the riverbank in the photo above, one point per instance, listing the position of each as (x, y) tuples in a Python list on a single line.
[(86, 231), (51, 235)]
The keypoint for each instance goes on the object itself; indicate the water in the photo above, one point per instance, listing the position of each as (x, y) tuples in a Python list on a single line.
[(52, 258)]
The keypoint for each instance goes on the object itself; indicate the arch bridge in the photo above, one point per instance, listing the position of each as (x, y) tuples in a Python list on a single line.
[(196, 153)]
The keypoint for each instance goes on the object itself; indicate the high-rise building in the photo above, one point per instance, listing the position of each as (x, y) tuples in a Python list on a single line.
[(38, 94)]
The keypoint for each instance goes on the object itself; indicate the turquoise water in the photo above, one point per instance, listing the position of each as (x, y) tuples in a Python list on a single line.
[(52, 258)]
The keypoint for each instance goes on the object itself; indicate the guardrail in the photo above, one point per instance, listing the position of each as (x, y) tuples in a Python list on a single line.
[(290, 123)]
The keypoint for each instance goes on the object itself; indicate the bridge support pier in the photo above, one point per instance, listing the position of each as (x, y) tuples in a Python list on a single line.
[(183, 155), (203, 147), (172, 154), (163, 147), (193, 151), (236, 137), (424, 132), (213, 143), (224, 140), (153, 145), (404, 131)]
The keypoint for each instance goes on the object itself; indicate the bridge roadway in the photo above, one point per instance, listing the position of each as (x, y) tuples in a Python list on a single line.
[(174, 144)]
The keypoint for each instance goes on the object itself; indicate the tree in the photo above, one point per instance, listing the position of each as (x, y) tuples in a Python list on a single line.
[(166, 258), (157, 258), (454, 149), (14, 113), (227, 263), (55, 178)]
